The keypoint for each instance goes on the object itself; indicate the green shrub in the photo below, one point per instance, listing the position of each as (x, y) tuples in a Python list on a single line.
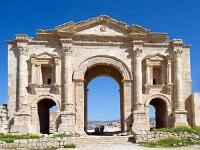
[(197, 129), (182, 129), (179, 129), (161, 130), (61, 135), (9, 138), (71, 145), (169, 142)]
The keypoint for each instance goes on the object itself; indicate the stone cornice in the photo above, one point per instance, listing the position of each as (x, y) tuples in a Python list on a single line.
[(67, 33)]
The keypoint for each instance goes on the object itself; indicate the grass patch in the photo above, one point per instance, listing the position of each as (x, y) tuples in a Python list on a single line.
[(61, 135), (71, 145), (170, 142), (180, 129), (9, 138)]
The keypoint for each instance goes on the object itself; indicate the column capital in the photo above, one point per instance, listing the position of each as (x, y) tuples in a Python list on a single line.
[(147, 62), (56, 61), (67, 50), (137, 52), (22, 50), (33, 60), (79, 82), (127, 83), (178, 51)]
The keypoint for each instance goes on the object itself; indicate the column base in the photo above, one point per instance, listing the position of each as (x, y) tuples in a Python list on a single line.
[(22, 123), (139, 121), (67, 124), (180, 118)]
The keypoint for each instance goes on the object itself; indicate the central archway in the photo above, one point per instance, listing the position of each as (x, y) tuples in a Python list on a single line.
[(98, 71), (103, 66)]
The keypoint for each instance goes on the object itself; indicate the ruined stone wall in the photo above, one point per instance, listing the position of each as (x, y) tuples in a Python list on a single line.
[(4, 119)]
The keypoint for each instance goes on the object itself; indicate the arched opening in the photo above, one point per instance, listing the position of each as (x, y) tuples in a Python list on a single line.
[(159, 107), (44, 112), (111, 106), (152, 118)]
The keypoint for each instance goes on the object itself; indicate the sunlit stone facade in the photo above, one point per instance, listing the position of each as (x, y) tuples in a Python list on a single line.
[(55, 67)]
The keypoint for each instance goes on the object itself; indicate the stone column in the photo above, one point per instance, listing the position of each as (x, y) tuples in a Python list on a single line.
[(147, 74), (151, 75), (180, 112), (179, 82), (138, 79), (56, 72), (22, 118), (67, 102), (147, 85), (169, 72), (79, 97), (163, 72), (126, 106), (23, 78), (67, 115), (33, 71), (139, 115), (169, 76)]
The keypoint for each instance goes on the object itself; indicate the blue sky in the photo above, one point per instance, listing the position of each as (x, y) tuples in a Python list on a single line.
[(178, 18)]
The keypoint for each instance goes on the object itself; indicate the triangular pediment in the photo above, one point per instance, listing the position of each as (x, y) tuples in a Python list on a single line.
[(102, 25), (104, 30), (45, 55), (156, 56)]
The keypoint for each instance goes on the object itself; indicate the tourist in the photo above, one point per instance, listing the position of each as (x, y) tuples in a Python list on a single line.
[(96, 130), (102, 129)]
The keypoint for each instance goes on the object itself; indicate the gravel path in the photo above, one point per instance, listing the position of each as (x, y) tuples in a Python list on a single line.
[(131, 147)]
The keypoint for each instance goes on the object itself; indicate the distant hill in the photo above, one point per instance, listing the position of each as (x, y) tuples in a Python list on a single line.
[(108, 121), (152, 119)]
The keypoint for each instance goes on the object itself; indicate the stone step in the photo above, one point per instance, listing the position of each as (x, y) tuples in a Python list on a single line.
[(103, 140)]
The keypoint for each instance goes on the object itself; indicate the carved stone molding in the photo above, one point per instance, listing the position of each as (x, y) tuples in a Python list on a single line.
[(67, 50), (79, 82), (169, 88), (127, 83), (22, 50), (178, 52), (57, 62), (138, 52), (147, 88), (106, 60)]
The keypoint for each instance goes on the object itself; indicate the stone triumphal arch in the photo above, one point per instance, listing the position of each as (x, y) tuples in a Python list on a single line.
[(54, 68)]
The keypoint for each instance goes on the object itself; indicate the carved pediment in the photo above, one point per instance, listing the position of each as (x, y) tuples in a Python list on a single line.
[(156, 56), (45, 55), (104, 30), (102, 25)]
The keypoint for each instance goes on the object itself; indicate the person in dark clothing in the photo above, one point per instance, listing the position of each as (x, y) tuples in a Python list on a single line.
[(96, 130), (102, 129)]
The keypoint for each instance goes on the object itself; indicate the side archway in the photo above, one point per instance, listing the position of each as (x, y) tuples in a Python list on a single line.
[(41, 97), (162, 107), (44, 120)]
